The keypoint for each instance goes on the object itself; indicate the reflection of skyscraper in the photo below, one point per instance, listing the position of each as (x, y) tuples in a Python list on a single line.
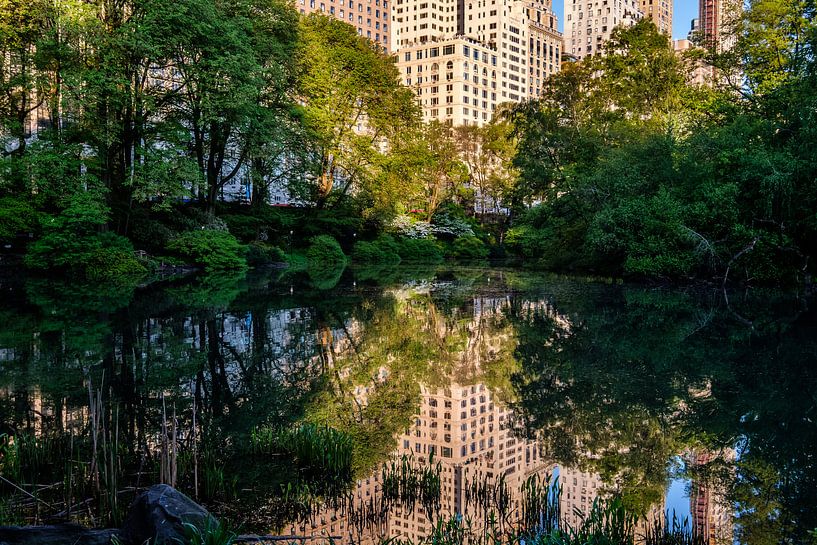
[(711, 514), (466, 432), (579, 490)]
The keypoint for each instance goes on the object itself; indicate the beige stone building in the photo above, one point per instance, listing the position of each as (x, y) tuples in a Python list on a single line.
[(660, 11), (589, 23), (545, 45), (463, 59), (371, 18), (700, 73)]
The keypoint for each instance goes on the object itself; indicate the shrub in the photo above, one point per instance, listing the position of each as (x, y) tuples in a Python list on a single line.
[(259, 253), (383, 250), (71, 242), (149, 233), (213, 250), (469, 248), (113, 260), (420, 250), (245, 228), (404, 226), (448, 225), (324, 254), (16, 216)]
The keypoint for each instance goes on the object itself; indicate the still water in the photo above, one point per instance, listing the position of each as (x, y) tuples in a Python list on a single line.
[(500, 381)]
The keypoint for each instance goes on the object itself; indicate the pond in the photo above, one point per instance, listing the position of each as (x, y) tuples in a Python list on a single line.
[(400, 403)]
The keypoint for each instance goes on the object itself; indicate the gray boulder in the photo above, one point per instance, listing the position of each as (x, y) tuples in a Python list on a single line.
[(159, 515)]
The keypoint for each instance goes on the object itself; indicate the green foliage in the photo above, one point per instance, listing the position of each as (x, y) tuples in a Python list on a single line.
[(245, 228), (344, 78), (73, 242), (324, 254), (211, 533), (260, 253), (422, 250), (210, 249), (17, 216), (469, 248), (383, 251), (322, 455), (648, 176)]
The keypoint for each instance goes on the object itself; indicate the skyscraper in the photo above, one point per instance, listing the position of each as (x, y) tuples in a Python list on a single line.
[(589, 23), (463, 58), (660, 11), (715, 17), (369, 17)]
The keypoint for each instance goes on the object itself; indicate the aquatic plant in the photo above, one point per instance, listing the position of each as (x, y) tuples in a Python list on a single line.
[(212, 533), (322, 455), (406, 482)]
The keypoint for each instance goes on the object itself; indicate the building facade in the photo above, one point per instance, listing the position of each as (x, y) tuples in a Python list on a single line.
[(715, 17), (464, 58), (660, 12), (699, 72), (589, 23), (371, 18)]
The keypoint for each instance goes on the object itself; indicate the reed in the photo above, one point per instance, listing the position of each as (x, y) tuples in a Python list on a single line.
[(406, 483), (321, 453), (540, 509), (666, 530)]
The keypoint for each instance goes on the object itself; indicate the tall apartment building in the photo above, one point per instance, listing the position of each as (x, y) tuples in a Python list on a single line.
[(544, 44), (700, 73), (660, 11), (464, 58), (715, 17), (589, 23), (370, 17)]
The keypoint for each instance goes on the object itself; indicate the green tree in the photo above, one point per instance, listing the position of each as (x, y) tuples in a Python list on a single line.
[(354, 108)]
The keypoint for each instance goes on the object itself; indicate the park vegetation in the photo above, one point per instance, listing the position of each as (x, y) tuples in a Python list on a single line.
[(165, 129)]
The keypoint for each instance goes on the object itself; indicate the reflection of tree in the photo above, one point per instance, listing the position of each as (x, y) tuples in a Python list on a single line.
[(242, 359), (408, 340), (615, 380), (618, 380)]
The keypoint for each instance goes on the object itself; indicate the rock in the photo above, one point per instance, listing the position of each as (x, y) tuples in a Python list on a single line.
[(159, 515), (61, 534)]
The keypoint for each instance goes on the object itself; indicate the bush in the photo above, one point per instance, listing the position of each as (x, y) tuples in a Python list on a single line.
[(469, 248), (383, 250), (405, 226), (113, 259), (447, 225), (213, 250), (72, 243), (259, 253), (16, 216), (324, 254), (245, 228), (420, 250)]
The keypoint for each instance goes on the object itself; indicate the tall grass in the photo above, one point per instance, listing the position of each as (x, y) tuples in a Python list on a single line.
[(320, 453), (668, 530), (406, 483)]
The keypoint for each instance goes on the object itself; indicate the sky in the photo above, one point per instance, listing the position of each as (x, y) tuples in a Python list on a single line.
[(684, 11)]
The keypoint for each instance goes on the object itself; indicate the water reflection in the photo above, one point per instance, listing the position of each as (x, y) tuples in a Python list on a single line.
[(501, 378)]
